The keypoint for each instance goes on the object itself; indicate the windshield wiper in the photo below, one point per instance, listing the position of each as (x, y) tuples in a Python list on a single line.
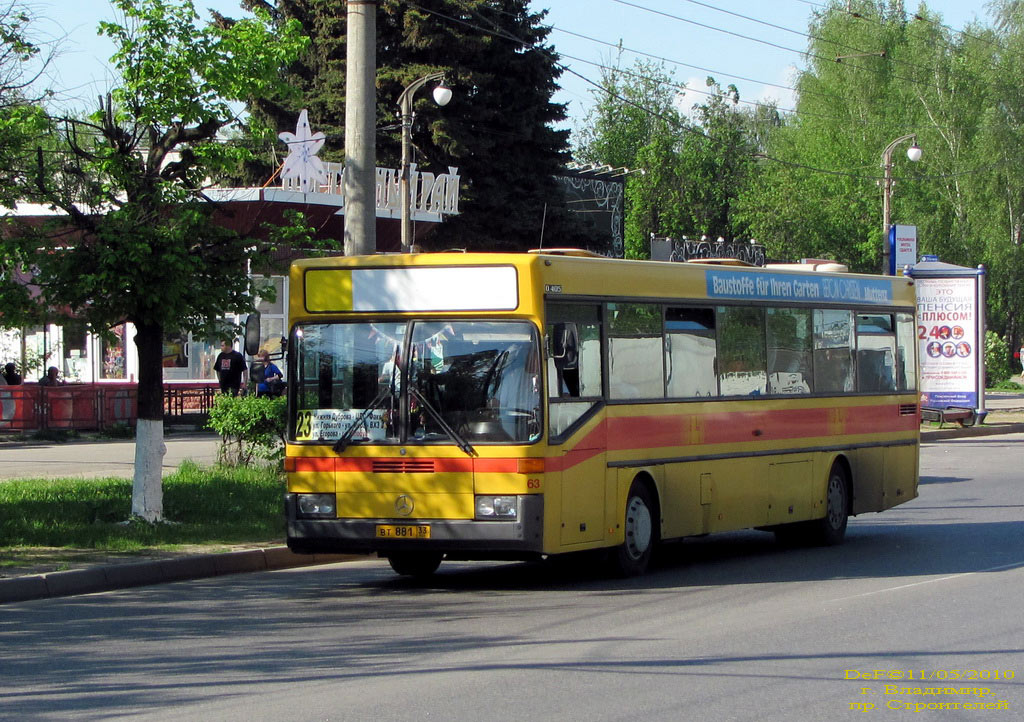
[(342, 443), (455, 436)]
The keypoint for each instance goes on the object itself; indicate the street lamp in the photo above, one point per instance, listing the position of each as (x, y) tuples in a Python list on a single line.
[(914, 154), (441, 96)]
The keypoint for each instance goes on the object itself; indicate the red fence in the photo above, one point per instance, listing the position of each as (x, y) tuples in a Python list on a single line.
[(88, 407)]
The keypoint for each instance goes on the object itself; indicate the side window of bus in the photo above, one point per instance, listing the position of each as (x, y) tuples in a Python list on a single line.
[(742, 369), (906, 345), (690, 352), (789, 350), (876, 353), (635, 365), (833, 350), (573, 343)]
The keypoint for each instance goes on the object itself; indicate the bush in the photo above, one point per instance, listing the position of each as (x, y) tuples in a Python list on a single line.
[(997, 360), (250, 427)]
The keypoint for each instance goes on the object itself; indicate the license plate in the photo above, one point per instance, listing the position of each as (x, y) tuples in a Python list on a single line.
[(403, 531)]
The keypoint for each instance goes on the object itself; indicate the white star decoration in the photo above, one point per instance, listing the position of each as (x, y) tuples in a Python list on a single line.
[(302, 162)]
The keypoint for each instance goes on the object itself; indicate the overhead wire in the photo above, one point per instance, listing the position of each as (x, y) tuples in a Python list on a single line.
[(757, 40)]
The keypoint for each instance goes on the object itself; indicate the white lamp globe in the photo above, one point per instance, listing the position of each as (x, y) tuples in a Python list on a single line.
[(914, 152), (442, 95)]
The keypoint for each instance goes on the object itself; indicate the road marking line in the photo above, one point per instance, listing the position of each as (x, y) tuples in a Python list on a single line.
[(1001, 567)]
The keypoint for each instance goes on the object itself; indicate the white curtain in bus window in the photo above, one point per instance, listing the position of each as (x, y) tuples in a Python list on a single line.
[(876, 353), (635, 366), (906, 344), (741, 351), (833, 350), (789, 350), (690, 352)]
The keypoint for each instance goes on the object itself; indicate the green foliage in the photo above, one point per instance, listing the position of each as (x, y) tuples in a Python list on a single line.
[(209, 506), (155, 256), (251, 427), (1008, 386), (692, 170), (997, 359)]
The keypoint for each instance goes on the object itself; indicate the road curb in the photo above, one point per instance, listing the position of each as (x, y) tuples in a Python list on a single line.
[(108, 577), (970, 431)]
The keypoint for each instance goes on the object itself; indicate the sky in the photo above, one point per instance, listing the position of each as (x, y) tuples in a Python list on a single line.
[(732, 40)]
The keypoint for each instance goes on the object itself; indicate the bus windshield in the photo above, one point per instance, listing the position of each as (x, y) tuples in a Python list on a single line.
[(461, 382)]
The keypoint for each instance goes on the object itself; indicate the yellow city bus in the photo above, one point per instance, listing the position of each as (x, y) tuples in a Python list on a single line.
[(519, 406)]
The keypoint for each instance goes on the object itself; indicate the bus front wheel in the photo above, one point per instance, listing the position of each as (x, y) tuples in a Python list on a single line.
[(631, 559), (415, 564)]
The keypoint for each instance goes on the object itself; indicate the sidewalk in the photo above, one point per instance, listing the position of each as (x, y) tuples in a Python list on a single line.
[(115, 458)]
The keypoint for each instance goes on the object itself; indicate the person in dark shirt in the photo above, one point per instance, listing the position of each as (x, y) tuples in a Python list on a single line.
[(230, 368), (11, 375), (51, 378)]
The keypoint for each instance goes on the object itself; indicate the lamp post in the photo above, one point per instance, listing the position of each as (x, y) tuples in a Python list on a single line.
[(914, 154), (441, 96)]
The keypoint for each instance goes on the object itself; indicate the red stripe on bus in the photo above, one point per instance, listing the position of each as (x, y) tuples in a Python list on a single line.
[(496, 466), (444, 465), (307, 463)]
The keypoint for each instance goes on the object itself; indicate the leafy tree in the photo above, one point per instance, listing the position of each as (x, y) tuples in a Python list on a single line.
[(22, 126), (497, 130), (957, 92), (691, 170), (139, 243)]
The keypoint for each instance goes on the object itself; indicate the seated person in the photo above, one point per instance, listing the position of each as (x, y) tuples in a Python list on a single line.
[(273, 380)]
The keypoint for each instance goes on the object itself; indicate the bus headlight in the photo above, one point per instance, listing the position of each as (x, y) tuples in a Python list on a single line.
[(496, 507), (316, 505)]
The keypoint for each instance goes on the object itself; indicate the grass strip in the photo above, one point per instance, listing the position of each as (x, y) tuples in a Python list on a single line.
[(217, 505)]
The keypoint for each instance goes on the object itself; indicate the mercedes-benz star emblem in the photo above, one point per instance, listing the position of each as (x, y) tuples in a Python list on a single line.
[(404, 505)]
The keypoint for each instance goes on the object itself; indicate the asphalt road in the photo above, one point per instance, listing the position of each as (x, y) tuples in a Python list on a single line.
[(89, 459), (729, 627)]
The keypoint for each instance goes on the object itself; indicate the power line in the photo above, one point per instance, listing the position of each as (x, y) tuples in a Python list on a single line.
[(757, 40)]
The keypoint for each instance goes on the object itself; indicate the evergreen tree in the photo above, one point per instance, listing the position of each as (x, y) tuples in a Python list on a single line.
[(497, 130)]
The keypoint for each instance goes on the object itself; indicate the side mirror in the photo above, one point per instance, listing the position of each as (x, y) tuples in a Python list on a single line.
[(565, 344), (252, 333)]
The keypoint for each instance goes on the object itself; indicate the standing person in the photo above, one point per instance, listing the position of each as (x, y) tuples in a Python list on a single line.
[(230, 368), (273, 380), (51, 378), (1020, 357)]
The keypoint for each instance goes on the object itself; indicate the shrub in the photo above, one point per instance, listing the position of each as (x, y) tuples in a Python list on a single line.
[(997, 360), (250, 427)]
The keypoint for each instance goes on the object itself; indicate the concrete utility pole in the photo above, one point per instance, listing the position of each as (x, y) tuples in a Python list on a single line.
[(360, 128)]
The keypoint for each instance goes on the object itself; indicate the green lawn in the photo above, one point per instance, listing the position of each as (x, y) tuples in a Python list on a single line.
[(206, 506)]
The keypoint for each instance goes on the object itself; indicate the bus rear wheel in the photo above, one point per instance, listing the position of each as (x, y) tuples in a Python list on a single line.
[(633, 556), (415, 564), (831, 529)]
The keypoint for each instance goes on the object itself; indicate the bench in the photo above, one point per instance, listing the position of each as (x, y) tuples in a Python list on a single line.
[(959, 414)]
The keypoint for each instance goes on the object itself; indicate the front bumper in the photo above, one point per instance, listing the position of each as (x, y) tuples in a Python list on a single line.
[(464, 538)]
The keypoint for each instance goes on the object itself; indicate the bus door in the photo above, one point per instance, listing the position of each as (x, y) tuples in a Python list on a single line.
[(577, 426)]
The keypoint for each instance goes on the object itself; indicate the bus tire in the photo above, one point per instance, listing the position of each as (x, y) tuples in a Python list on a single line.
[(831, 529), (633, 556), (415, 564)]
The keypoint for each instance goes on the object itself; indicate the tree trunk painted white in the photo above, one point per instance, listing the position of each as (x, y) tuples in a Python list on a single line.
[(147, 486)]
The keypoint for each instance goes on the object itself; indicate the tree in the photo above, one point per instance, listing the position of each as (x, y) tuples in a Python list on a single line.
[(138, 243), (497, 129), (691, 170)]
